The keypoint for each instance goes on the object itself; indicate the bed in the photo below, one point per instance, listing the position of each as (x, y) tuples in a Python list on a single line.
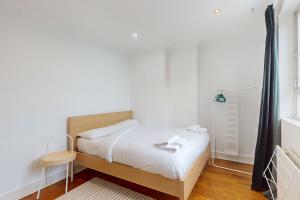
[(146, 166)]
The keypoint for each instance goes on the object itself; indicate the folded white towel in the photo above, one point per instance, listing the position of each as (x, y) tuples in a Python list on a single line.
[(177, 140), (196, 128), (173, 144), (168, 147)]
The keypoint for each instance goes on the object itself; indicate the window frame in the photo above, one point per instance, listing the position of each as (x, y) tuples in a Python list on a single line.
[(296, 52), (295, 57), (296, 63)]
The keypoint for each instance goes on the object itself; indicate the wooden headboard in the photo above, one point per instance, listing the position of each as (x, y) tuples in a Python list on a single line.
[(87, 122)]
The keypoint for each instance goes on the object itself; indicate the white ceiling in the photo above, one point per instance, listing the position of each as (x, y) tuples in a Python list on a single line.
[(160, 23)]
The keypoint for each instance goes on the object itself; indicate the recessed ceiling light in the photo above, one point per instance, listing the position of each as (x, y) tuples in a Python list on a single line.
[(217, 11), (134, 35)]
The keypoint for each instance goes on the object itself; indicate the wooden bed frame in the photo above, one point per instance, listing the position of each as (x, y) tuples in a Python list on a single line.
[(179, 188)]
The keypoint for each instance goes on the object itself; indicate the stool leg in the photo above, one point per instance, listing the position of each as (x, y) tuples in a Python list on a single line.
[(67, 177), (72, 171), (41, 182)]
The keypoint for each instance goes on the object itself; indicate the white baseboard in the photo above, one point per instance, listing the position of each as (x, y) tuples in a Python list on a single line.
[(32, 187), (240, 158)]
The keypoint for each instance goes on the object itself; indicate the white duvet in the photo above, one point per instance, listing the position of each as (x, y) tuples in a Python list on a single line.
[(133, 146)]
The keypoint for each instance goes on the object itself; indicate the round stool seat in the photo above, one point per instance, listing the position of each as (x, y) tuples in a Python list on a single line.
[(58, 158)]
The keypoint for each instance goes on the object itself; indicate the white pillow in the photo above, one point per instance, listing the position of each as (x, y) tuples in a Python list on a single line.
[(128, 122), (98, 132), (108, 130)]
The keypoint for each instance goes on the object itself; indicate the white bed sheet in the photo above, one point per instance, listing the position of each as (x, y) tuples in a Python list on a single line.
[(135, 148)]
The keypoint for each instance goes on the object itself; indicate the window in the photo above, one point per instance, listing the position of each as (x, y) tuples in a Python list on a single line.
[(297, 74)]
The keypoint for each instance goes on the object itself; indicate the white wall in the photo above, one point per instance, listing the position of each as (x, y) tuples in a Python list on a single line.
[(148, 88), (182, 87), (45, 77), (232, 65), (164, 87)]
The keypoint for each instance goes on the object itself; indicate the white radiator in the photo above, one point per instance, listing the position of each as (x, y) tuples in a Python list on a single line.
[(283, 175)]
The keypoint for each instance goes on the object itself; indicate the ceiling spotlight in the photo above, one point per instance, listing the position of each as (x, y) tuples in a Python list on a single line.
[(217, 11), (134, 35)]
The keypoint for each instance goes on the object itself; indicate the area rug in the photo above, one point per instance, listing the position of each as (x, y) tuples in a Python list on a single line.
[(99, 189)]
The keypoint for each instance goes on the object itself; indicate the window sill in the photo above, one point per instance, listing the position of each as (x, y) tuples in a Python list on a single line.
[(292, 121)]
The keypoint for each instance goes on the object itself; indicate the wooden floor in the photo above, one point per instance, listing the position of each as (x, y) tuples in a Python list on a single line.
[(213, 184)]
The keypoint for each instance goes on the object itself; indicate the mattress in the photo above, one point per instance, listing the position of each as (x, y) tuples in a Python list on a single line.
[(133, 146)]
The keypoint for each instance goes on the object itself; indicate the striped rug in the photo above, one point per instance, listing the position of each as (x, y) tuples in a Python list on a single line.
[(99, 189)]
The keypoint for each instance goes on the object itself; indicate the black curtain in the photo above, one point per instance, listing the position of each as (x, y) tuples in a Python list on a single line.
[(269, 121)]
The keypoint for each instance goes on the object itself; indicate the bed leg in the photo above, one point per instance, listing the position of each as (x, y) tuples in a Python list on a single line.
[(181, 193), (182, 197)]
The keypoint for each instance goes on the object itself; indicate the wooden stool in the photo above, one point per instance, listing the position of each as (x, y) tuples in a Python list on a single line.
[(55, 159)]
